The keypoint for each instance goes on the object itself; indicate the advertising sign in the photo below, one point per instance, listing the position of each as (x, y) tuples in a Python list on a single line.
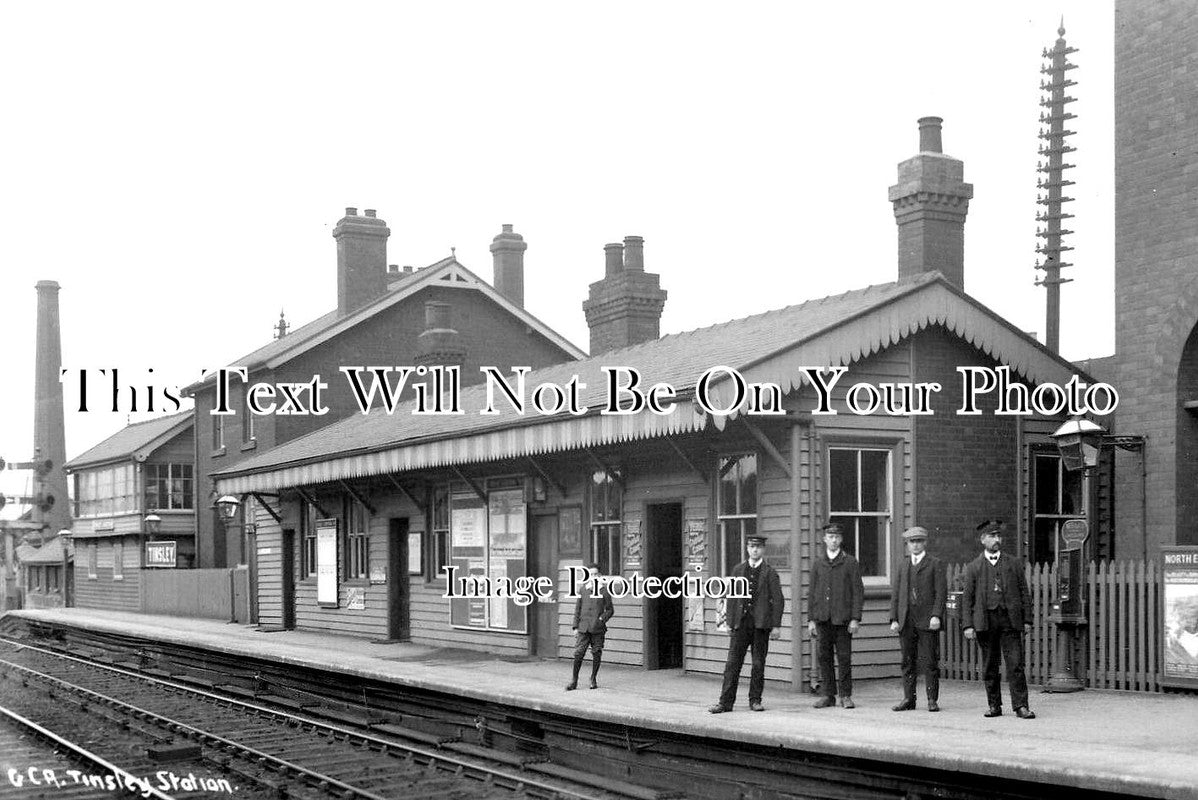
[(1179, 586), (160, 554), (326, 562)]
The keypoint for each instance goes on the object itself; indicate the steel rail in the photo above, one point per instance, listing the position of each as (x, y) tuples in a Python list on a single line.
[(130, 780), (521, 779), (202, 735)]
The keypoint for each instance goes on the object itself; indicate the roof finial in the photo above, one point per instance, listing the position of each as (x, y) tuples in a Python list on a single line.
[(453, 252), (1061, 30), (281, 326)]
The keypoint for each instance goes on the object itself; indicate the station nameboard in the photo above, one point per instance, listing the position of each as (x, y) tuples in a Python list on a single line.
[(160, 554)]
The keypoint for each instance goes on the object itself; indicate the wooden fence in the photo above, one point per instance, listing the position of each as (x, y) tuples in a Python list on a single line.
[(1118, 649)]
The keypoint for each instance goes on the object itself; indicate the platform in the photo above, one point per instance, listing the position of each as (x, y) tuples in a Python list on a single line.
[(1138, 744)]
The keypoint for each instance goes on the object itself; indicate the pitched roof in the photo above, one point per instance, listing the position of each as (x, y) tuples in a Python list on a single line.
[(765, 347), (139, 438), (49, 553), (445, 273)]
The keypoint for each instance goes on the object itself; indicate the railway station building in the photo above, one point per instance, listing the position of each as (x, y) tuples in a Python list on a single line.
[(356, 523)]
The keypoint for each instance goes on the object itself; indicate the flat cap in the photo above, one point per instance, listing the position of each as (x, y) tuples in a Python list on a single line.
[(756, 537), (914, 534), (834, 527), (988, 526)]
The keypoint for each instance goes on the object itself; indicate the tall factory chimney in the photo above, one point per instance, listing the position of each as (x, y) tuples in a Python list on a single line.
[(49, 436)]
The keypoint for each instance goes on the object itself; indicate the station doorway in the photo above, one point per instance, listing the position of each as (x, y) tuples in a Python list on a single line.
[(663, 558)]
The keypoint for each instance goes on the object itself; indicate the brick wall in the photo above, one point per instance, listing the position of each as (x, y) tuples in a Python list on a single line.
[(966, 467), (1156, 250)]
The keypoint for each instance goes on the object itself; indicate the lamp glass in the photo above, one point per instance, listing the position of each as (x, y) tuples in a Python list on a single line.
[(227, 506)]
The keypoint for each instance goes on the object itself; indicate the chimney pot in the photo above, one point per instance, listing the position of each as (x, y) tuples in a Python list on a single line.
[(614, 258), (408, 269), (929, 135), (361, 260), (393, 269), (369, 212), (507, 257), (931, 201), (634, 253)]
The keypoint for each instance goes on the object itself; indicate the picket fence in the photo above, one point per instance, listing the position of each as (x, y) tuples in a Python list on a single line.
[(1118, 649)]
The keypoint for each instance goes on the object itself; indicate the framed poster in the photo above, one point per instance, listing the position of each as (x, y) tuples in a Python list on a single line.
[(326, 562), (569, 531), (1179, 644), (415, 561)]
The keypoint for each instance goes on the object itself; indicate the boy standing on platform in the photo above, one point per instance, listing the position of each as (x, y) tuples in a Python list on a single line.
[(591, 612), (753, 622), (835, 599)]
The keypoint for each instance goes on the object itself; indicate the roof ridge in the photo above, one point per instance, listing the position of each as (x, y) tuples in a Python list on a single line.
[(792, 306)]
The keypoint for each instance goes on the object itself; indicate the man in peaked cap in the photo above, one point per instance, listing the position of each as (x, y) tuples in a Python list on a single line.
[(835, 598), (753, 622), (917, 600), (995, 610)]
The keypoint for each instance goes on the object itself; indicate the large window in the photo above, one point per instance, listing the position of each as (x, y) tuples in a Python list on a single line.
[(108, 490), (218, 432), (488, 540), (308, 516), (248, 433), (1058, 494), (169, 486), (860, 498), (438, 549), (357, 538), (736, 508), (607, 504), (92, 561), (118, 560)]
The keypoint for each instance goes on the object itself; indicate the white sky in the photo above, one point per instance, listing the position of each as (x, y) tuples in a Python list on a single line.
[(179, 169)]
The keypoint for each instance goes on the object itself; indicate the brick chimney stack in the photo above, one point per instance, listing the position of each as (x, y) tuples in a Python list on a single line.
[(361, 259), (439, 344), (49, 437), (930, 201), (625, 307), (507, 252)]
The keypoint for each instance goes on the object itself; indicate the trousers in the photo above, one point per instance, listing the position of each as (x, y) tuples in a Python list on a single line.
[(744, 637), (836, 638)]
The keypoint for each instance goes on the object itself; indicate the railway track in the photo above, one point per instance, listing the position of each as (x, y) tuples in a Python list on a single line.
[(264, 746)]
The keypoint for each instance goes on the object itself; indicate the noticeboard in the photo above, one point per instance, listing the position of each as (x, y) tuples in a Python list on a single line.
[(1179, 590), (326, 562)]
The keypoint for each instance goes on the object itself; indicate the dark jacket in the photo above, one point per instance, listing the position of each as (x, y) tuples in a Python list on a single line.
[(931, 589), (1014, 586), (592, 613), (835, 593), (767, 608)]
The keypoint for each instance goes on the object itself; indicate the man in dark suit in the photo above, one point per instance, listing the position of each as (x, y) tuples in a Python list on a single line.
[(592, 610), (996, 610), (753, 622), (916, 611), (835, 599)]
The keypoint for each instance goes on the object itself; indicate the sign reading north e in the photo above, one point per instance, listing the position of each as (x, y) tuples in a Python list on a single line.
[(160, 554), (1179, 600), (326, 562)]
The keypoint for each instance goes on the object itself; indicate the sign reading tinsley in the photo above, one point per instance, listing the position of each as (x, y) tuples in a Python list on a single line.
[(160, 554), (1179, 587)]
